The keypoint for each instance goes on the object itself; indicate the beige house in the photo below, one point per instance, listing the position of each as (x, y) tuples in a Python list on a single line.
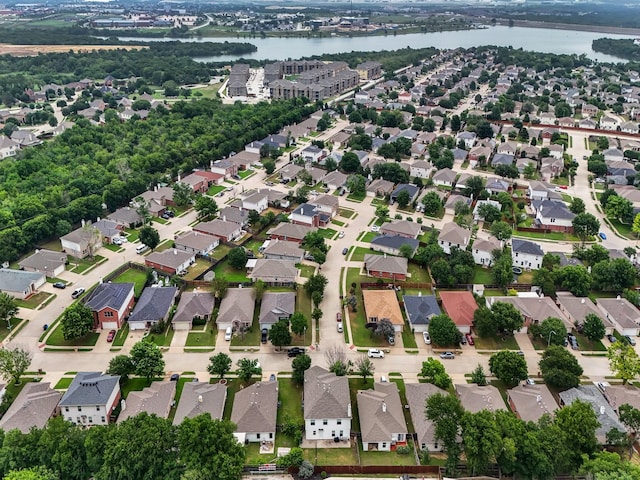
[(530, 402), (255, 409), (190, 306), (155, 399), (381, 418), (51, 263), (475, 398), (236, 309), (327, 405), (417, 395), (201, 397), (33, 407)]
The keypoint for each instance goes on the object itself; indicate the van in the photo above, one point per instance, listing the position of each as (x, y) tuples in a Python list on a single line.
[(227, 334), (141, 248)]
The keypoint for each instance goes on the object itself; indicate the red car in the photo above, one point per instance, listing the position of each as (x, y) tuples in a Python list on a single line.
[(338, 317), (563, 187), (469, 338), (111, 336)]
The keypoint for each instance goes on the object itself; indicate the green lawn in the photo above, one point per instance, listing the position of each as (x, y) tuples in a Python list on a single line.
[(482, 276), (132, 234), (162, 339), (347, 213), (245, 173), (331, 456), (356, 384), (368, 236), (356, 198), (57, 339), (408, 338), (34, 301), (63, 383), (623, 229), (233, 385), (224, 270), (206, 337), (290, 397), (220, 251), (164, 245), (559, 236), (134, 384), (135, 276), (307, 271), (160, 220), (418, 274), (496, 343), (327, 233), (251, 337), (585, 344), (113, 247), (121, 336), (387, 458), (337, 222), (215, 189), (358, 253), (361, 335), (82, 265), (197, 269)]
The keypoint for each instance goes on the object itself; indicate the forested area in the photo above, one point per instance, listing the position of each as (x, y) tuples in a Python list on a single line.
[(140, 448), (47, 189), (390, 60), (623, 48)]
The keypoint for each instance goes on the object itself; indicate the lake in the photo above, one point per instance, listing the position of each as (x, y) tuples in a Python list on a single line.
[(534, 39)]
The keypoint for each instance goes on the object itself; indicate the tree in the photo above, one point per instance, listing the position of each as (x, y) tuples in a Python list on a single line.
[(316, 283), (433, 372), (403, 198), (578, 423), (508, 367), (349, 163), (306, 469), (619, 208), (593, 327), (149, 236), (182, 194), (406, 250), (474, 186), (77, 321), (14, 361), (219, 286), (364, 367), (122, 366), (506, 317), (635, 228), (507, 171), (489, 213), (575, 278), (357, 185), (606, 465), (269, 166), (8, 307), (382, 212), (445, 411), (33, 473), (478, 376), (616, 274), (237, 258), (553, 330), (432, 203), (630, 416), (208, 447), (300, 365), (206, 207), (501, 230), (299, 323), (577, 205), (219, 364), (484, 322), (585, 225), (147, 359), (481, 438), (559, 368), (279, 334), (385, 328), (502, 272), (443, 331), (247, 368), (623, 361)]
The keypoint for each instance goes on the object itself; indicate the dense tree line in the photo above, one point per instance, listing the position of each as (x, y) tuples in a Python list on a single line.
[(624, 48), (47, 189), (141, 447), (390, 60)]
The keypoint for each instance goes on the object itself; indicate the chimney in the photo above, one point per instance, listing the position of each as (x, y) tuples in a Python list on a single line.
[(384, 407), (349, 410), (97, 219), (539, 398)]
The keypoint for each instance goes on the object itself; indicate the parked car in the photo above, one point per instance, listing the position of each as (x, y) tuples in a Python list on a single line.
[(530, 381), (339, 324), (447, 355), (60, 285), (263, 335), (345, 250), (338, 317), (295, 351), (77, 292), (375, 353), (427, 338), (611, 338), (463, 340), (602, 235), (117, 240), (236, 177), (341, 234), (631, 340), (602, 385), (171, 213), (469, 339), (166, 216), (272, 377), (564, 187), (111, 335), (391, 339), (174, 377), (375, 228)]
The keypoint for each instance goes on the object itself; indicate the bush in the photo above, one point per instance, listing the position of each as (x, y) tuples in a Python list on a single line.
[(158, 327), (198, 320), (424, 457), (306, 469), (403, 450)]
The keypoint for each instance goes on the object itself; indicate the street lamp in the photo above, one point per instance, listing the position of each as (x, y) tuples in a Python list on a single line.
[(549, 339), (305, 334)]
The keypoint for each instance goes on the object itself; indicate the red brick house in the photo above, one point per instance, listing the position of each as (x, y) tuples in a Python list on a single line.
[(110, 303)]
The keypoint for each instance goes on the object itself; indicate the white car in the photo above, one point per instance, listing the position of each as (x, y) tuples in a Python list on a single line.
[(375, 228), (375, 353), (341, 234), (427, 338)]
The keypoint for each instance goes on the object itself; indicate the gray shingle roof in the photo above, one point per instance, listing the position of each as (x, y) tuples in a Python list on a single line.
[(325, 394), (417, 394), (193, 304), (276, 305), (237, 305), (420, 308), (109, 295), (44, 260), (255, 408), (154, 304), (394, 241), (200, 397), (525, 246), (17, 280), (381, 413), (155, 400), (33, 407), (90, 388)]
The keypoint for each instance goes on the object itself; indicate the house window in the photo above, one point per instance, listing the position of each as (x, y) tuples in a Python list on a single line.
[(341, 433), (69, 419), (314, 433), (103, 419), (90, 419), (270, 435), (66, 409), (97, 408), (108, 314), (516, 254), (339, 421), (325, 422), (423, 446), (333, 433), (258, 435), (312, 423), (384, 444), (79, 409)]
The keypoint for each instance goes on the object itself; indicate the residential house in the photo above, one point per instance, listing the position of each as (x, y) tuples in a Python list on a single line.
[(460, 307), (496, 185), (469, 139), (236, 309), (198, 243), (551, 167), (225, 231), (475, 398), (526, 254), (531, 402), (538, 190), (192, 305), (483, 249), (534, 309), (453, 200), (81, 242), (618, 395), (452, 235), (235, 215), (507, 148), (607, 417), (420, 169), (258, 201), (328, 204), (382, 304), (411, 190), (309, 215), (313, 154), (391, 244), (622, 313), (382, 423), (402, 228), (589, 110), (225, 167), (274, 272), (502, 159), (556, 151), (172, 262), (608, 123), (379, 188), (198, 398), (386, 266), (476, 211), (587, 123), (417, 395), (156, 200), (613, 155), (153, 307), (289, 232), (108, 229), (255, 409), (445, 177), (553, 215), (276, 306), (629, 127), (419, 310), (335, 180), (8, 147), (110, 304), (32, 408), (51, 263), (327, 405), (290, 172), (282, 250), (156, 399), (126, 216), (91, 399), (20, 284), (576, 309)]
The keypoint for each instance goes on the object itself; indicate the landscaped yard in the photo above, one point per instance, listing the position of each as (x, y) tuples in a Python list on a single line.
[(202, 338), (220, 252), (358, 253), (356, 384), (135, 276), (307, 271), (245, 173), (63, 383), (347, 213), (496, 343), (482, 276), (338, 223), (408, 338), (387, 458), (559, 236), (34, 300), (57, 339), (162, 339), (327, 233), (82, 265), (418, 274), (356, 198), (198, 268), (367, 236), (224, 270), (331, 456), (290, 397), (215, 189), (113, 247), (121, 336), (251, 337), (132, 234), (587, 345), (623, 229)]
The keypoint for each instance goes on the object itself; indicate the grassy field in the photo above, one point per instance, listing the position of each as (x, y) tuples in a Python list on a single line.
[(132, 275), (215, 189), (559, 236), (290, 396), (63, 383), (121, 336), (418, 274), (223, 269), (347, 213), (327, 233), (367, 237), (585, 344), (162, 339)]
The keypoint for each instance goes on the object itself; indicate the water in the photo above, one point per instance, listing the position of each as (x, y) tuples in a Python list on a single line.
[(534, 39)]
